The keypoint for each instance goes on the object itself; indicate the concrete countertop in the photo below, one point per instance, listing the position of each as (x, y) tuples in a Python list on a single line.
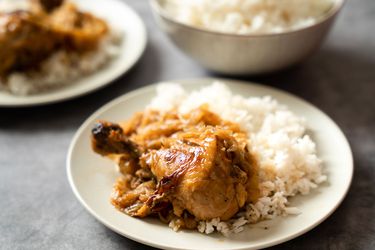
[(39, 211)]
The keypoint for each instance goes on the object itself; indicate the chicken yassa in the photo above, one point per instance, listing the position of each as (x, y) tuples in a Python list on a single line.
[(179, 167), (27, 38)]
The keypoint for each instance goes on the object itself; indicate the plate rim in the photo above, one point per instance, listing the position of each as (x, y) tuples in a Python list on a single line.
[(188, 81), (142, 47)]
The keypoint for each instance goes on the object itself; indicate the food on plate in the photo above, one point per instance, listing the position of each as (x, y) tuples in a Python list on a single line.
[(50, 5), (199, 162), (249, 16), (209, 160), (49, 43)]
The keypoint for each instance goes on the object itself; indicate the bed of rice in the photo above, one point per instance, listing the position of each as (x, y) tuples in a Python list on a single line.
[(249, 16), (277, 137), (62, 68)]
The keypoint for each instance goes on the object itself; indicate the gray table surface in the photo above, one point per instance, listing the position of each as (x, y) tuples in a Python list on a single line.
[(39, 211)]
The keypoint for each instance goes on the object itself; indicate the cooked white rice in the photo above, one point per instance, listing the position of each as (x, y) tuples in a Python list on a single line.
[(277, 137), (11, 5), (61, 68), (249, 16)]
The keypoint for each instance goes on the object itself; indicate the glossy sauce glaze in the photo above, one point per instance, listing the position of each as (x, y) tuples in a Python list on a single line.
[(194, 166)]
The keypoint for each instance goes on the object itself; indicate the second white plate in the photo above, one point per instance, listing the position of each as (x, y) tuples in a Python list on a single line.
[(91, 177), (119, 16)]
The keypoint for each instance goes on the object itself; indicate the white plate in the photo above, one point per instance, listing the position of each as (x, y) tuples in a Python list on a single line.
[(91, 177), (120, 16)]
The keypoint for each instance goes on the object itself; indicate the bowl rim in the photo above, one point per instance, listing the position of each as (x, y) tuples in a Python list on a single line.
[(332, 12)]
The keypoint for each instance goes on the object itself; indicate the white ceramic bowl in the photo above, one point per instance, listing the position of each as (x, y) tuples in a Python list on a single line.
[(245, 54)]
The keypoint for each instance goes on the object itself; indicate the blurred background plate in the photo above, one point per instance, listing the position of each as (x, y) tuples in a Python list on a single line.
[(121, 17)]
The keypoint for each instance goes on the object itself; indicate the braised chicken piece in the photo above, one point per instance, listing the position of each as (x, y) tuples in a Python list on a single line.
[(194, 167), (50, 5), (27, 38), (24, 42)]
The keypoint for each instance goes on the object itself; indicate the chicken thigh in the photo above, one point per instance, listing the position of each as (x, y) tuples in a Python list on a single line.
[(27, 38), (205, 172), (199, 163)]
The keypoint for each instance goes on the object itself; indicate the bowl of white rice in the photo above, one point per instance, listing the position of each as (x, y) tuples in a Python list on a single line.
[(245, 37)]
